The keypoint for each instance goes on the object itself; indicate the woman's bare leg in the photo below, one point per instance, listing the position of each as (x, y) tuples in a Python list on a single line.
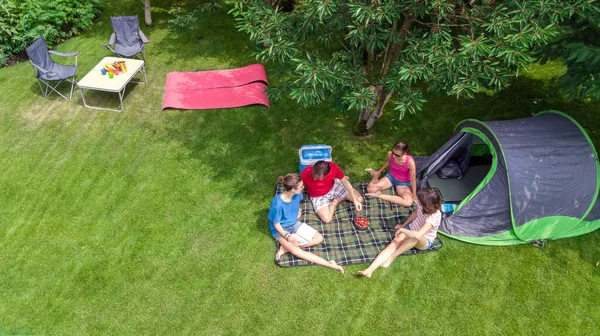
[(403, 198), (316, 240), (374, 174), (383, 256), (313, 258), (280, 252), (378, 184), (421, 244)]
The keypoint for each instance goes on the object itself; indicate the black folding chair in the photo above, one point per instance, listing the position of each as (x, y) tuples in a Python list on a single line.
[(47, 71), (127, 39)]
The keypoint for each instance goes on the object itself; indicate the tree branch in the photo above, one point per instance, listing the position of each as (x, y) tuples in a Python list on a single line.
[(398, 45), (441, 24)]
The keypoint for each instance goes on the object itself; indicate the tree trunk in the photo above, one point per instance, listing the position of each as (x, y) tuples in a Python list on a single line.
[(369, 116), (378, 112), (147, 13)]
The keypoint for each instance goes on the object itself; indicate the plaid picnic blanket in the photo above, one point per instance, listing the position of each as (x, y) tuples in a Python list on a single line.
[(342, 241)]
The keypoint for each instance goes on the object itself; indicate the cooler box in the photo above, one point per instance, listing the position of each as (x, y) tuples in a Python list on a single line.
[(309, 154)]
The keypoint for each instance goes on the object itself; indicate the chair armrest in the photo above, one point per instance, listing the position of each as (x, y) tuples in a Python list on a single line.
[(111, 40), (44, 71), (143, 37), (58, 53), (74, 53)]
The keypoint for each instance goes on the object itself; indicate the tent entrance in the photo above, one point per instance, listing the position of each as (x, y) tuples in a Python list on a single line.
[(471, 162), (455, 190)]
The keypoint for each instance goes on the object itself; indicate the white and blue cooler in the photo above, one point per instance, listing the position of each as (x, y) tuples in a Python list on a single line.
[(309, 154)]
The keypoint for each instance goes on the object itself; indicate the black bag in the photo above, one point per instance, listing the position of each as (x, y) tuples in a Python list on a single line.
[(451, 169)]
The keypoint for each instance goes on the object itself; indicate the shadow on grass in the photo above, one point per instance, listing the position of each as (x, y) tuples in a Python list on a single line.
[(255, 144), (261, 219), (213, 36)]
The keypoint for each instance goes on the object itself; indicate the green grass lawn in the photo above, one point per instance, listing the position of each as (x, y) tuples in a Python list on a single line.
[(154, 222)]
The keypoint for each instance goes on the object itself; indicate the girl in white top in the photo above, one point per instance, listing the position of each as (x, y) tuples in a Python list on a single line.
[(419, 230)]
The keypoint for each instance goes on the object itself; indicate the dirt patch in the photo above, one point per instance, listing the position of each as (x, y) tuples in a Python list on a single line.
[(47, 110), (15, 59)]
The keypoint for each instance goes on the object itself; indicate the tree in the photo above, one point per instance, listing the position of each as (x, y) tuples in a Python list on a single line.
[(361, 53), (147, 13), (579, 46)]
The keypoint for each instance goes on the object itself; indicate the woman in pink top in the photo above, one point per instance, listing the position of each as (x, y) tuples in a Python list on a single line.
[(419, 230), (402, 176)]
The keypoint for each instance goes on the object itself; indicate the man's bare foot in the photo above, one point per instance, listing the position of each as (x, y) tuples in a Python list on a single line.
[(336, 266), (280, 253), (364, 273), (372, 172), (375, 194)]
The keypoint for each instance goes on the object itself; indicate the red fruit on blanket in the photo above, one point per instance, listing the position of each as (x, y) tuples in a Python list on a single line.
[(361, 223)]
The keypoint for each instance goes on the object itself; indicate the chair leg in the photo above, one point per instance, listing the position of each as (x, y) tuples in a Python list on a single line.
[(42, 88), (73, 81), (53, 88)]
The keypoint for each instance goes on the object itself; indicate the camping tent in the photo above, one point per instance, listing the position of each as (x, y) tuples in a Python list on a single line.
[(516, 181)]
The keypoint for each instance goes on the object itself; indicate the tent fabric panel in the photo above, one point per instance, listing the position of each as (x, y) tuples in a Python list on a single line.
[(500, 239), (594, 214), (429, 164), (551, 167), (496, 157), (555, 227), (487, 210), (595, 208), (486, 213)]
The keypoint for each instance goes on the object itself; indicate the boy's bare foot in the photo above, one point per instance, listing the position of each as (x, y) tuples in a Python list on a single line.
[(336, 266), (375, 194), (280, 253), (372, 172), (364, 273)]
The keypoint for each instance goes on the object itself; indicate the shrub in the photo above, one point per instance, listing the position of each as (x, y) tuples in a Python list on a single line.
[(23, 21)]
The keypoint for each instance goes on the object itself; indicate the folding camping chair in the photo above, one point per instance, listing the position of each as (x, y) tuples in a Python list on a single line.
[(49, 71), (127, 39)]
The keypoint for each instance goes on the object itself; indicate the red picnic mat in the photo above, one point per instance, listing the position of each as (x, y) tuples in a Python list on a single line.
[(216, 89)]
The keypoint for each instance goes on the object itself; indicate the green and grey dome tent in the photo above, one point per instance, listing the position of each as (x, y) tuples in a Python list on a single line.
[(516, 181)]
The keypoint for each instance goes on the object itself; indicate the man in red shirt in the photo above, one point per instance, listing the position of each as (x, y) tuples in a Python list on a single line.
[(327, 186)]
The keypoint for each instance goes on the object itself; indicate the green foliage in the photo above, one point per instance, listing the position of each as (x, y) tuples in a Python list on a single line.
[(21, 22), (153, 222), (355, 52), (185, 19), (579, 47)]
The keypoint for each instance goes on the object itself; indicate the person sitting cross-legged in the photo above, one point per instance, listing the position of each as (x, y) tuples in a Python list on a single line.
[(401, 177), (327, 186), (287, 229)]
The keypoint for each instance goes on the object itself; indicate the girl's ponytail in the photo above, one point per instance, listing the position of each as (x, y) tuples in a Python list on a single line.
[(290, 181)]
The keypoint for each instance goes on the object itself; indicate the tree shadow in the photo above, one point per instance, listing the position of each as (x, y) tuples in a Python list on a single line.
[(214, 35), (253, 145)]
